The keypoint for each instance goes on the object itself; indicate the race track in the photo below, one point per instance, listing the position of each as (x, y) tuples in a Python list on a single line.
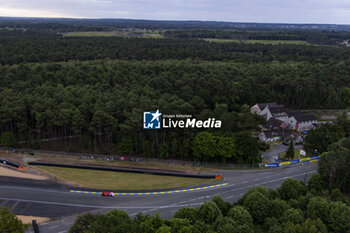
[(54, 201)]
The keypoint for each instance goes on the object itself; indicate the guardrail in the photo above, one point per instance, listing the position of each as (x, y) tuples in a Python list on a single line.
[(12, 164), (296, 161), (130, 170)]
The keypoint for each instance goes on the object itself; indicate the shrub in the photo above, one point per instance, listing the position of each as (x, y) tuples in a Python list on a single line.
[(10, 223), (316, 184), (187, 213), (209, 211), (291, 188), (240, 216), (258, 206)]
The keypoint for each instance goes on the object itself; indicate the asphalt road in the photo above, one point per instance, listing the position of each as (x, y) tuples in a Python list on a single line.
[(54, 201)]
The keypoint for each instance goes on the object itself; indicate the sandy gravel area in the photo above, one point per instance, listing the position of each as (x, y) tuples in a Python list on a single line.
[(28, 219), (18, 174)]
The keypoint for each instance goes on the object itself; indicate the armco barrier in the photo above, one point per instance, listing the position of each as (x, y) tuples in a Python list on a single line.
[(294, 161), (272, 165), (284, 163), (11, 164), (302, 161), (151, 172)]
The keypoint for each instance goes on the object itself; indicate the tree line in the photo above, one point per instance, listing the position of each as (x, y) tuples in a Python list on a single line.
[(103, 100), (28, 46), (332, 142), (313, 37), (56, 87)]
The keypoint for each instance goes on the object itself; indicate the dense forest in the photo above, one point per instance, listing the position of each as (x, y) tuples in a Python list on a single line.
[(23, 47), (90, 92), (313, 37), (332, 141)]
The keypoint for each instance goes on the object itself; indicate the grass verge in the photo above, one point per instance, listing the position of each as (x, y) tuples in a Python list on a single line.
[(274, 42), (121, 33), (297, 155), (119, 180)]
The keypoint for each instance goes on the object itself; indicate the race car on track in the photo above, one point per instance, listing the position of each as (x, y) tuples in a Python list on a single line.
[(108, 194)]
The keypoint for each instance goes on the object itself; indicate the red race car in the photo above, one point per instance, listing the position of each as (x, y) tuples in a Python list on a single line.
[(108, 194)]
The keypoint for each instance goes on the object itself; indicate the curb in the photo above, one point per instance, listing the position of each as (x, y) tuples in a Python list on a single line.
[(153, 193)]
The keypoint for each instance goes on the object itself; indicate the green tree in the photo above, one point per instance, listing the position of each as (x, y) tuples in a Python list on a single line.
[(187, 213), (333, 165), (114, 221), (292, 215), (290, 227), (257, 205), (321, 138), (223, 205), (313, 226), (209, 211), (83, 222), (278, 207), (204, 146), (7, 139), (179, 225), (292, 189), (338, 219), (261, 189), (164, 229), (225, 148), (316, 184), (10, 223), (290, 151), (240, 216), (318, 208)]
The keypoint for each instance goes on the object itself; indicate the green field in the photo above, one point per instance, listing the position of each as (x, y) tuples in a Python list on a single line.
[(258, 41), (121, 33), (119, 180)]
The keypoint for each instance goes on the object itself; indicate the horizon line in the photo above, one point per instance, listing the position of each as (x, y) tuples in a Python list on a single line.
[(168, 20)]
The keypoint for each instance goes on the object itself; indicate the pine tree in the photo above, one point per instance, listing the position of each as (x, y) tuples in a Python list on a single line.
[(290, 151)]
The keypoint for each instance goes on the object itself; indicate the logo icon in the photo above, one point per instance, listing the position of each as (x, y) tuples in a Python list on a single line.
[(151, 120)]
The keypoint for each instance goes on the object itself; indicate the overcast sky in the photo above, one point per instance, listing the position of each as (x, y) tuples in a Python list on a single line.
[(270, 11)]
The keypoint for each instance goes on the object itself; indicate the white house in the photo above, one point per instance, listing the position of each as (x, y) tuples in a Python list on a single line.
[(302, 122), (256, 109), (278, 112)]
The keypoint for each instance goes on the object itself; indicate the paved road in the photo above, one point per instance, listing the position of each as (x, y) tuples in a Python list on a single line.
[(277, 149), (55, 202)]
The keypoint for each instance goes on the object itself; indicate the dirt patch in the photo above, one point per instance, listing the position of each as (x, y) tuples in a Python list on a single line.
[(18, 174), (28, 219)]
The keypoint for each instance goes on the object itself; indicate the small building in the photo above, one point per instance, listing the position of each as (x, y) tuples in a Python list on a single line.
[(302, 122), (256, 109), (278, 112), (297, 138), (275, 124), (269, 136)]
